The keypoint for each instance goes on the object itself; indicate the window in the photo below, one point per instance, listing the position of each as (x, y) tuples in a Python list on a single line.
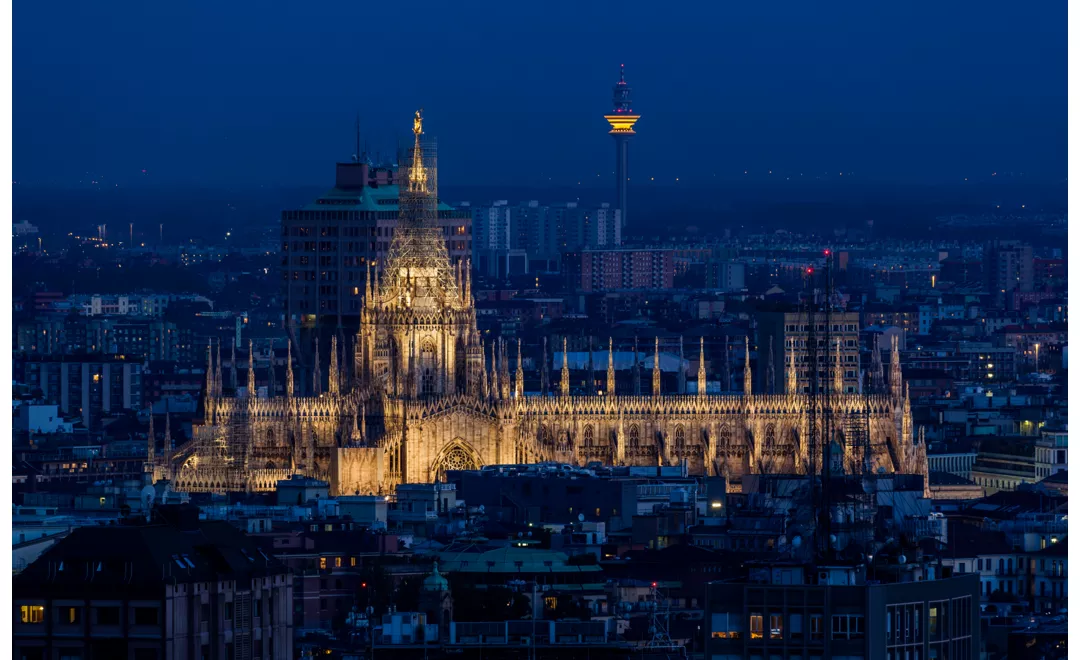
[(108, 616), (337, 562), (817, 627), (322, 562), (257, 605), (32, 613), (795, 626), (69, 615), (776, 626), (146, 616), (228, 611), (352, 561), (847, 626), (756, 623), (205, 616), (727, 626)]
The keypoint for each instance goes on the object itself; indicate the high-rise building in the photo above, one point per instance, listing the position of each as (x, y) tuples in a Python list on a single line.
[(496, 240), (90, 386), (625, 268), (788, 332), (327, 245), (1008, 265), (622, 120)]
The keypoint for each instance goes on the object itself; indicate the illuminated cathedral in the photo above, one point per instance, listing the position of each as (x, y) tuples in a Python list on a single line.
[(426, 395)]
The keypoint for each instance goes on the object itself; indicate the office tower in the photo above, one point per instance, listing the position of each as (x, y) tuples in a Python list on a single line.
[(327, 246)]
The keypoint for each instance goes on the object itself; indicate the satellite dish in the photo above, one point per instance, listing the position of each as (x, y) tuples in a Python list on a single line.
[(581, 517)]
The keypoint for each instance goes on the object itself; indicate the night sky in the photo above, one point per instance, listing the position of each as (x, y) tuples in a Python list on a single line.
[(229, 93)]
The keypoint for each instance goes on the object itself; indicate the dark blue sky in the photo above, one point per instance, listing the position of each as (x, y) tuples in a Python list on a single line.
[(229, 93)]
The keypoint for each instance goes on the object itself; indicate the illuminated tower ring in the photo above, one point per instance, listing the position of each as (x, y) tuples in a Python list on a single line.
[(622, 120)]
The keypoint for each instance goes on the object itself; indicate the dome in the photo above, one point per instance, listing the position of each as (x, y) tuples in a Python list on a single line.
[(435, 581)]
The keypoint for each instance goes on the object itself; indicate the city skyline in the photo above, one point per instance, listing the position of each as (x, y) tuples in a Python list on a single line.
[(971, 91)]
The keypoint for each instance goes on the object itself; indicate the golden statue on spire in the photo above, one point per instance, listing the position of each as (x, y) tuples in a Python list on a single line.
[(417, 175)]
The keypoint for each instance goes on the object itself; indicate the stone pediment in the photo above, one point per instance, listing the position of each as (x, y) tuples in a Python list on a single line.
[(458, 405)]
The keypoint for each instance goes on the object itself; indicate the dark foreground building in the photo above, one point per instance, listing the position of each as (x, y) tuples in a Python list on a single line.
[(924, 620), (177, 589)]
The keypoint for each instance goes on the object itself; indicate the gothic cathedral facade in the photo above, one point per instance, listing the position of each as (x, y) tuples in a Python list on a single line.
[(426, 395)]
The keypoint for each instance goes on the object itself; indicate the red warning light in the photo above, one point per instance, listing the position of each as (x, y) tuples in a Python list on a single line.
[(654, 584), (826, 253), (809, 271)]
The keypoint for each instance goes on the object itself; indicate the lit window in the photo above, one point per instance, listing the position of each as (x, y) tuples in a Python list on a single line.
[(337, 562), (32, 613), (322, 562), (776, 626), (756, 621)]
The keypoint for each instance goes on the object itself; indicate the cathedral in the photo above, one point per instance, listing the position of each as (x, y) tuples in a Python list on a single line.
[(426, 395)]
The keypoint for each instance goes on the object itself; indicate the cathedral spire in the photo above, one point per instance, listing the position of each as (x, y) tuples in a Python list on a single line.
[(209, 374), (792, 374), (656, 369), (544, 372), (335, 376), (496, 387), (747, 375), (838, 372), (288, 371), (232, 370), (367, 286), (702, 384), (725, 369), (316, 374), (151, 441), (218, 383), (637, 369), (168, 433), (610, 391), (896, 378), (251, 369), (519, 375), (564, 377), (682, 369), (484, 387), (468, 282), (504, 370)]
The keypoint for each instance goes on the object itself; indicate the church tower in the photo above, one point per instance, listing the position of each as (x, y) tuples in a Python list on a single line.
[(418, 324)]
